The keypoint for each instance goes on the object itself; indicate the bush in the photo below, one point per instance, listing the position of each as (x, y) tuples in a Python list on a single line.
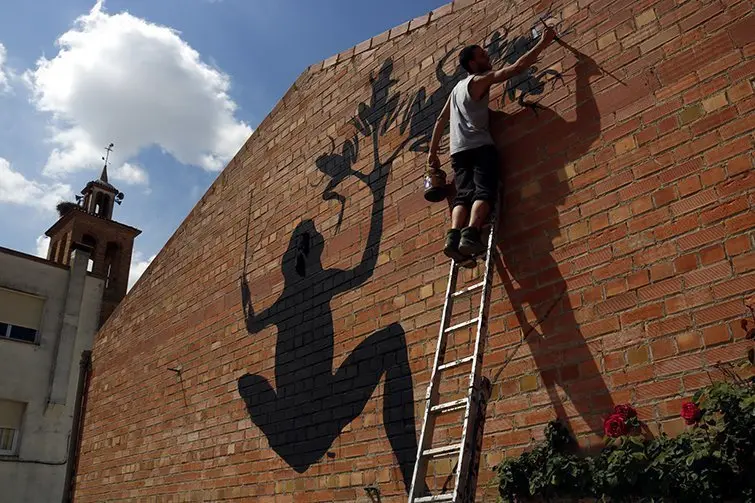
[(712, 461)]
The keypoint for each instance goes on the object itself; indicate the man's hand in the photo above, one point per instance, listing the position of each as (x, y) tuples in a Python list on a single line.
[(549, 34), (433, 160)]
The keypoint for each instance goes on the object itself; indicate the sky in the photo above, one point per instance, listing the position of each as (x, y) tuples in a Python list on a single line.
[(176, 85)]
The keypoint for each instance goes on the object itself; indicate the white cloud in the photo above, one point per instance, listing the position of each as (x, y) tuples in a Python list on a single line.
[(130, 174), (138, 266), (123, 79), (43, 245), (4, 86), (15, 188)]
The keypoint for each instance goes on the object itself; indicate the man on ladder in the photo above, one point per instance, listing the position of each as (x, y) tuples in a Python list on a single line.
[(475, 164), (474, 158)]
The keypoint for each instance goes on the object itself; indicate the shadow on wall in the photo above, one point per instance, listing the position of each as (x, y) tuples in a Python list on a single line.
[(550, 142)]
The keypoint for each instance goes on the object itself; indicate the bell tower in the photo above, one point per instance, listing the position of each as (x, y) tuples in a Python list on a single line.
[(90, 222)]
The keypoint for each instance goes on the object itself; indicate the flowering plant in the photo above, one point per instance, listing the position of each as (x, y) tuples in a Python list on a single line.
[(713, 462), (691, 413), (622, 421)]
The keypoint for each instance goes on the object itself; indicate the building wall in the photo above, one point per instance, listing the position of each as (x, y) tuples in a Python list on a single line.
[(627, 249), (37, 473)]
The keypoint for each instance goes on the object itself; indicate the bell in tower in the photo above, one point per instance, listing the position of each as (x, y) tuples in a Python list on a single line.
[(90, 222)]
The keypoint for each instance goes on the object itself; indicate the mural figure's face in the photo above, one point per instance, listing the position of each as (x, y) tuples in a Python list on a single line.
[(304, 253)]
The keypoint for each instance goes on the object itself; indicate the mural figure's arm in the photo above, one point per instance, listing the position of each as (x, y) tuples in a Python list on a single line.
[(480, 84), (440, 126), (254, 323), (348, 280)]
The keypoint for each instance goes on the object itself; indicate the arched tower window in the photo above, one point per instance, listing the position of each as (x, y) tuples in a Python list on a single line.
[(102, 205)]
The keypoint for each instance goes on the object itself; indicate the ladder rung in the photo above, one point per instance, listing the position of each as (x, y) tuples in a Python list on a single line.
[(437, 497), (456, 363), (440, 452), (462, 325), (469, 289), (449, 406)]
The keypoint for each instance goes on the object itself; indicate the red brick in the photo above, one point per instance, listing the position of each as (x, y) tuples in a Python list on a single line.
[(739, 165), (643, 314), (648, 220), (678, 365), (615, 268), (685, 263), (737, 286), (669, 141), (696, 146), (668, 325), (694, 202), (660, 289), (658, 389), (716, 335), (740, 223), (638, 279), (728, 150), (735, 351), (689, 300), (720, 65), (660, 272), (707, 275), (688, 341), (713, 120), (689, 185), (744, 263), (600, 327), (659, 39), (688, 168), (718, 312), (677, 227), (702, 238), (700, 16), (664, 196), (743, 32), (616, 304), (737, 245), (662, 348), (712, 254)]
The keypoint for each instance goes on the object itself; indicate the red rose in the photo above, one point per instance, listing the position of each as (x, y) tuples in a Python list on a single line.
[(615, 426), (691, 412), (626, 411)]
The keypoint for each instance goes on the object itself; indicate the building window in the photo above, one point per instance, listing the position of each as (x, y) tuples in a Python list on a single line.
[(11, 416), (20, 315)]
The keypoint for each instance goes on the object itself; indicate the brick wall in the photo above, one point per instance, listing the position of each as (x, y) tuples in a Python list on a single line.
[(627, 249)]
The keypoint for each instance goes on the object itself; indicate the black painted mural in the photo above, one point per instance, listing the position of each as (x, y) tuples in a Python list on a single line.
[(312, 401)]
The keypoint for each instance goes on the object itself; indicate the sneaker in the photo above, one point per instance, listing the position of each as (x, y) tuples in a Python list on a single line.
[(470, 244), (451, 248)]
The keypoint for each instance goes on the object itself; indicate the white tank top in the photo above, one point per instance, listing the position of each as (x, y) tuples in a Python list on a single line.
[(469, 119)]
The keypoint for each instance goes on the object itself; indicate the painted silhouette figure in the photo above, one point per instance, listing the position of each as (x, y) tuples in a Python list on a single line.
[(312, 402)]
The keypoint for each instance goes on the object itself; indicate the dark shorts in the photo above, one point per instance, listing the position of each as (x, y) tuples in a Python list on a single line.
[(475, 175)]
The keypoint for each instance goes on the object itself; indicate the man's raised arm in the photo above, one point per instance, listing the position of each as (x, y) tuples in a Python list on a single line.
[(481, 84)]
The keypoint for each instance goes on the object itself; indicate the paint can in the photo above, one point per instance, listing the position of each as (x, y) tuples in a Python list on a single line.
[(435, 185)]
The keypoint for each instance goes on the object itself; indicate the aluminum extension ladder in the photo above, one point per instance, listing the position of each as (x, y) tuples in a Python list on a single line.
[(467, 451)]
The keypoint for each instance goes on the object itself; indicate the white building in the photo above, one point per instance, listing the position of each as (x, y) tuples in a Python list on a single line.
[(50, 311)]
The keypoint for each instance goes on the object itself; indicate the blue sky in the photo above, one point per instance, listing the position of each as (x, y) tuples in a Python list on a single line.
[(76, 75)]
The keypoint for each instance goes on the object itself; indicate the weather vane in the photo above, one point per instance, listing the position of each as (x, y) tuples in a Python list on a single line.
[(108, 149)]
